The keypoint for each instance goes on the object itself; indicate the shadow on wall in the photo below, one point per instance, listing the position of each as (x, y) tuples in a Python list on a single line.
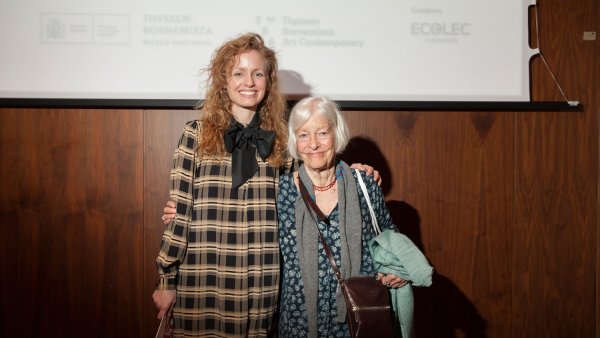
[(364, 150), (441, 310), (293, 85)]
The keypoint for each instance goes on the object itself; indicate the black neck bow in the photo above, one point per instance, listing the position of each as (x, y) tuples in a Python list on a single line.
[(243, 143)]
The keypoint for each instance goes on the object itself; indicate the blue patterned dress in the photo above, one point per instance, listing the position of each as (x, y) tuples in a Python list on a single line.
[(293, 320)]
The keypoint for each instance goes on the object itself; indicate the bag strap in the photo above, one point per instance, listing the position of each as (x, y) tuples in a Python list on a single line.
[(374, 222), (311, 205)]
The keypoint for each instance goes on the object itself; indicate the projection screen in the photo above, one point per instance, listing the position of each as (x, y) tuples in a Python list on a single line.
[(377, 50)]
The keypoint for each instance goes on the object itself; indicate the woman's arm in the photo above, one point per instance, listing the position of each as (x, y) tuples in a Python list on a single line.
[(174, 239), (369, 171), (169, 211), (378, 202), (385, 222)]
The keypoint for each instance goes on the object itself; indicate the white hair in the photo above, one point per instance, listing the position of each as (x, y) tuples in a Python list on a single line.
[(307, 108)]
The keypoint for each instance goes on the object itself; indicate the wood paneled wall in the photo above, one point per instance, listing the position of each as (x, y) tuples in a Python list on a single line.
[(71, 209), (504, 204)]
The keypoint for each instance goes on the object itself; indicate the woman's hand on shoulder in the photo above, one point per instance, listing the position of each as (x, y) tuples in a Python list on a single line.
[(370, 171)]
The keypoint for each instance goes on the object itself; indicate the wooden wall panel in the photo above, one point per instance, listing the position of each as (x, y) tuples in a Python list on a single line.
[(72, 197), (555, 227), (451, 193), (9, 224), (556, 183)]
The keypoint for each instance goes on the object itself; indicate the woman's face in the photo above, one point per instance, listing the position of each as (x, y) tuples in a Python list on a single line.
[(315, 143), (247, 81)]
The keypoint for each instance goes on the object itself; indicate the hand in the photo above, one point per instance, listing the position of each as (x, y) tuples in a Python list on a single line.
[(164, 300), (370, 171), (391, 281), (170, 212)]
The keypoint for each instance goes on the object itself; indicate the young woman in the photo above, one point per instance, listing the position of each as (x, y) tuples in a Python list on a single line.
[(219, 257)]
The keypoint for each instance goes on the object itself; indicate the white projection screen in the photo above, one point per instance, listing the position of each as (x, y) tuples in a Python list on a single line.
[(355, 50)]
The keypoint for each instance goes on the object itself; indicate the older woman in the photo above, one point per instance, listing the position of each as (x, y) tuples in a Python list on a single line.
[(310, 302)]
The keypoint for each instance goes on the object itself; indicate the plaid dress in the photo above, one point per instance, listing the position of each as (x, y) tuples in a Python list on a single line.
[(221, 253)]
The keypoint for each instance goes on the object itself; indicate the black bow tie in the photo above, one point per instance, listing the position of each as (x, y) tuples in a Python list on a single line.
[(243, 143)]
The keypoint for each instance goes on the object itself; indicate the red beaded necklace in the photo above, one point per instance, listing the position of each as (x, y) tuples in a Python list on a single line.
[(326, 187)]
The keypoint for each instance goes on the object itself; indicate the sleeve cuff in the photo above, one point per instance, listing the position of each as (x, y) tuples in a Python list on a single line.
[(166, 283)]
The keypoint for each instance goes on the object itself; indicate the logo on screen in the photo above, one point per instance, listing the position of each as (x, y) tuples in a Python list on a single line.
[(54, 29)]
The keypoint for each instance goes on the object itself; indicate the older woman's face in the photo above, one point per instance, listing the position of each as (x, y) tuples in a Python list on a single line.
[(316, 144)]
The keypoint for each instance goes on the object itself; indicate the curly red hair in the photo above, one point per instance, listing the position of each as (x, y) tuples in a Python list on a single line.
[(216, 108)]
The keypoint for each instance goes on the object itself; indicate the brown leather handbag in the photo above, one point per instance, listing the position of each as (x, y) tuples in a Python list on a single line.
[(368, 307)]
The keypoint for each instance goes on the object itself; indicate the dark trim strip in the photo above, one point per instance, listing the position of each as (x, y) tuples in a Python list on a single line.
[(344, 105)]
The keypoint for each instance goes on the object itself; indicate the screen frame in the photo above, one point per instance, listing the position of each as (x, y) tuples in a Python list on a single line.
[(344, 105)]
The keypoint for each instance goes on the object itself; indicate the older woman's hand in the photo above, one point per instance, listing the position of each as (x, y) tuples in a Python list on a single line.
[(368, 170), (391, 281)]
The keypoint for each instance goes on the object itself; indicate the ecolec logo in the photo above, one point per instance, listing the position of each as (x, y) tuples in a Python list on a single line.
[(435, 25), (440, 28)]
